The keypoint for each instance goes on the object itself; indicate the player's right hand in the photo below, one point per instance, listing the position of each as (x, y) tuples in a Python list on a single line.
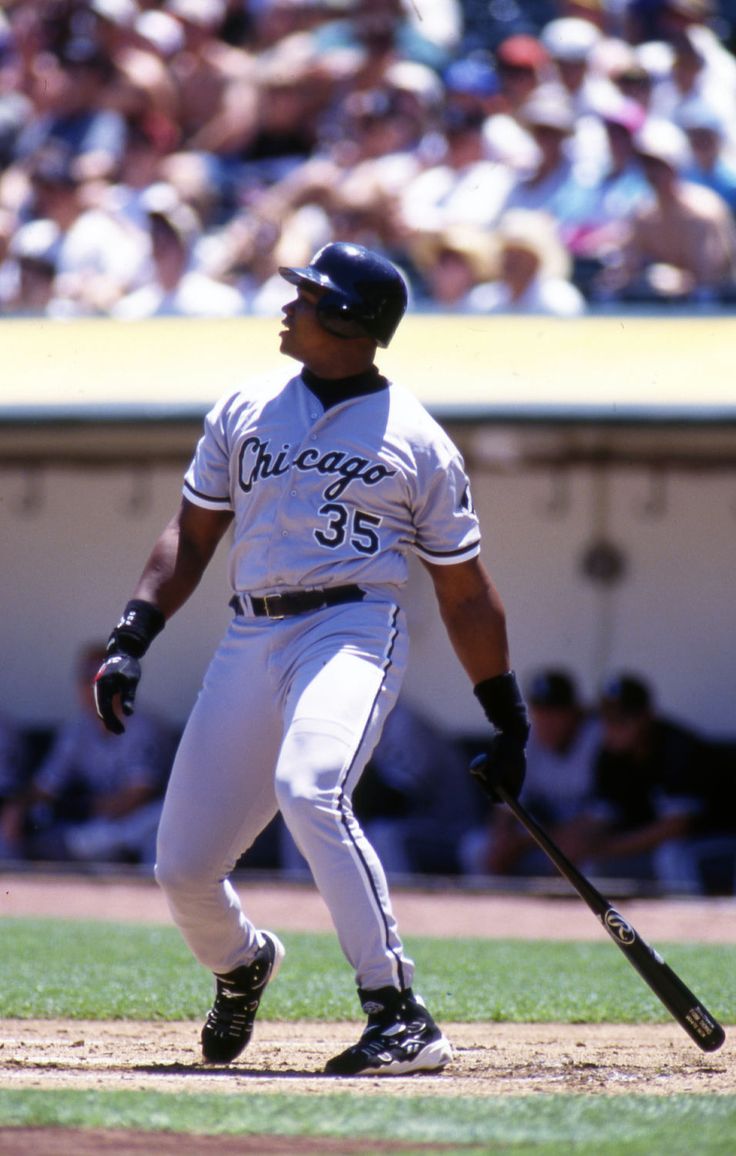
[(119, 675)]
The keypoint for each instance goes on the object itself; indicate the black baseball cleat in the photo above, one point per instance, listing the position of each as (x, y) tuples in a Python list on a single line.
[(229, 1023), (401, 1037)]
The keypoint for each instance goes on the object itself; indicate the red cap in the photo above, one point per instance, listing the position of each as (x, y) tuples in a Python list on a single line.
[(522, 51)]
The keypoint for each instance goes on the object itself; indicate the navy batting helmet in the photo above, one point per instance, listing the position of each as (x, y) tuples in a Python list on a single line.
[(365, 295)]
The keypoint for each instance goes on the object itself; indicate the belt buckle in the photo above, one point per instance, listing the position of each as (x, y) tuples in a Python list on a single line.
[(267, 599)]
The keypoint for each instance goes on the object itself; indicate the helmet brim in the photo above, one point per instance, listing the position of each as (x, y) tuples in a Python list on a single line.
[(307, 275)]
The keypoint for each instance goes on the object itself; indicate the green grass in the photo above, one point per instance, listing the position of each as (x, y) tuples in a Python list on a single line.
[(548, 1125), (57, 968), (123, 971)]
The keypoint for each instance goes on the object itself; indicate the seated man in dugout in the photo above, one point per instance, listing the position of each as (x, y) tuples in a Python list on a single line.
[(94, 797), (651, 794)]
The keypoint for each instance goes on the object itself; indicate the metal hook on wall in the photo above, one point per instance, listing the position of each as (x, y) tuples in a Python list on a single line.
[(557, 503), (654, 503), (32, 496), (140, 495)]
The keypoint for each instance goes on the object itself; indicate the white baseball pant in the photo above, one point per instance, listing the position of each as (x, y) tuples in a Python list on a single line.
[(287, 717)]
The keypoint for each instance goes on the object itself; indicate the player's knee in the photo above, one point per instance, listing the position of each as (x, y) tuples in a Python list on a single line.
[(176, 873), (301, 802)]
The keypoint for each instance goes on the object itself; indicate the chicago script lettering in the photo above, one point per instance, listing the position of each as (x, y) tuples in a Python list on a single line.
[(257, 461)]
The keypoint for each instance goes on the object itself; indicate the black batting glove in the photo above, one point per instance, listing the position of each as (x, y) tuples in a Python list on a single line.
[(118, 675), (504, 765)]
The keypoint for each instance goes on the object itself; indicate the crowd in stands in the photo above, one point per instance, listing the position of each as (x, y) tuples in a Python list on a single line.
[(546, 157), (628, 792)]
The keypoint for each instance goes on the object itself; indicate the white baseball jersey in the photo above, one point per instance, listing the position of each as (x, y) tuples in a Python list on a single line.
[(291, 708), (341, 496)]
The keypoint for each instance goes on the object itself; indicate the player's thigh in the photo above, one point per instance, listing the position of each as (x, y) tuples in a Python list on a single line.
[(221, 790), (342, 691)]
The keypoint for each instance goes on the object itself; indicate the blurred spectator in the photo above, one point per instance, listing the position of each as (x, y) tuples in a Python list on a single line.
[(523, 64), (554, 183), (472, 84), (11, 780), (96, 255), (384, 31), (16, 108), (563, 744), (95, 797), (209, 74), (465, 186), (648, 793), (451, 263), (534, 270), (72, 113), (28, 274), (570, 42), (697, 20), (690, 79), (379, 139), (682, 244), (632, 77), (713, 164), (176, 288), (139, 46), (614, 195)]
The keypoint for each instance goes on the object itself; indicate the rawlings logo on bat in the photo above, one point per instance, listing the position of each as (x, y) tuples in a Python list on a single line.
[(617, 926)]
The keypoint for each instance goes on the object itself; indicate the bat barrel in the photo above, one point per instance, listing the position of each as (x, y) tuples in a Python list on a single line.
[(689, 1012)]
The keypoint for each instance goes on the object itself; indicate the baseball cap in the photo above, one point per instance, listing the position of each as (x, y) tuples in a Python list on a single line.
[(522, 51), (204, 12), (624, 694), (37, 242), (548, 107), (161, 30), (161, 200), (569, 38), (472, 76), (120, 12), (696, 113), (552, 688), (663, 141), (413, 77), (625, 113), (535, 231)]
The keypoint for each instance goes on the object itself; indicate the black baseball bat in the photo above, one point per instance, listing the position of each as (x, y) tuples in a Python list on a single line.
[(680, 1002)]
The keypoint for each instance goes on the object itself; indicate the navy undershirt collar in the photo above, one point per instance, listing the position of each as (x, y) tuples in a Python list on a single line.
[(330, 391)]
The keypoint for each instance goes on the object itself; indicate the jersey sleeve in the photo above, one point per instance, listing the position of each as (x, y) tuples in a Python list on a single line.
[(207, 481), (446, 525)]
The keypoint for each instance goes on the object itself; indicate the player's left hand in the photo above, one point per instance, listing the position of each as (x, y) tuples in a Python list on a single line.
[(504, 765), (119, 675)]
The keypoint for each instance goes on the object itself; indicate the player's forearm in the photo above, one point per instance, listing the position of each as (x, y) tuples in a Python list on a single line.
[(474, 618), (478, 636)]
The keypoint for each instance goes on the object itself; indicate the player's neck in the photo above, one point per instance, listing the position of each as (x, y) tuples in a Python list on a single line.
[(332, 390)]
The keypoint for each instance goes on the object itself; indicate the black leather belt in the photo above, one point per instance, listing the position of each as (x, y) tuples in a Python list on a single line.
[(294, 602)]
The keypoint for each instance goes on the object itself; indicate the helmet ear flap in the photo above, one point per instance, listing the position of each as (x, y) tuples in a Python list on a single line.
[(338, 316)]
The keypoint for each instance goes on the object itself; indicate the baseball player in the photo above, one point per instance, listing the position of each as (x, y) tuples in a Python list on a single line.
[(328, 482)]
